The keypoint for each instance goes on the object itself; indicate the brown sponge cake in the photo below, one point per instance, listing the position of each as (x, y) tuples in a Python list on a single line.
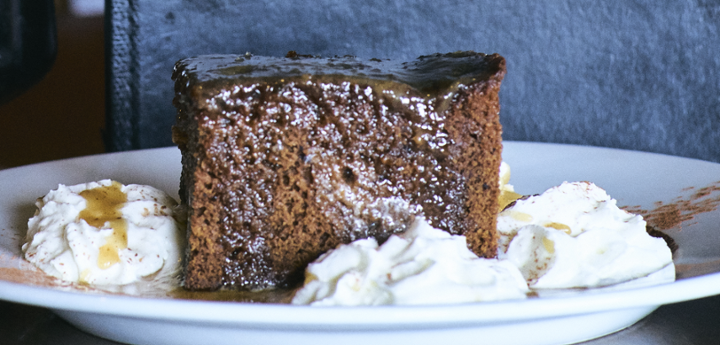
[(285, 158)]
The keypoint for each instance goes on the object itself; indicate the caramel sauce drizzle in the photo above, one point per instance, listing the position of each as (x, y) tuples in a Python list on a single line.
[(104, 205), (559, 226), (506, 198)]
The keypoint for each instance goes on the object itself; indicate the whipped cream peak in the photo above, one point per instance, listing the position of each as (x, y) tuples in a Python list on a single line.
[(423, 265), (104, 233)]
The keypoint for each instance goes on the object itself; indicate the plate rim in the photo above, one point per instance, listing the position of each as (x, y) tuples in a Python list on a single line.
[(286, 314), (390, 316)]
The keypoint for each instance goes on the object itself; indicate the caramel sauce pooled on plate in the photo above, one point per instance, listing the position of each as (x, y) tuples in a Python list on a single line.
[(278, 295)]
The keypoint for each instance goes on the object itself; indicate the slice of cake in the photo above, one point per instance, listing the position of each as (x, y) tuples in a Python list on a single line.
[(285, 158)]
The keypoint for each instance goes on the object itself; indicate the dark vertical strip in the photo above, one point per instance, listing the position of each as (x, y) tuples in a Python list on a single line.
[(121, 132)]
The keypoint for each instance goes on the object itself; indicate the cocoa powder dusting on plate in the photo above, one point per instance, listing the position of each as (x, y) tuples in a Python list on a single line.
[(26, 273), (681, 209), (31, 277)]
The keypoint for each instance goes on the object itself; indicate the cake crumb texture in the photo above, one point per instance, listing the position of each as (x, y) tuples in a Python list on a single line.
[(285, 158)]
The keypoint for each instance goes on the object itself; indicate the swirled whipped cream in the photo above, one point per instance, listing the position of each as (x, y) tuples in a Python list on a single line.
[(574, 235), (423, 265), (104, 233)]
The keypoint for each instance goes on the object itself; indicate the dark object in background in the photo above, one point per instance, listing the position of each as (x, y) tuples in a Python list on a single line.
[(639, 74), (28, 44)]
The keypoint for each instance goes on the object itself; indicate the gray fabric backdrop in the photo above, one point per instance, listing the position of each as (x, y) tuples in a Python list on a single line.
[(641, 74)]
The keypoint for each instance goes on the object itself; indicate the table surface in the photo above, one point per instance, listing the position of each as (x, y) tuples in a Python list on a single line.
[(693, 322)]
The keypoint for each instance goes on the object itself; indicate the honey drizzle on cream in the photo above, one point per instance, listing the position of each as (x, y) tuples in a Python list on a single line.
[(103, 205), (559, 226)]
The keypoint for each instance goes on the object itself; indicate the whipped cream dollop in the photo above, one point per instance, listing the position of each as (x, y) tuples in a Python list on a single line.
[(423, 265), (105, 233), (574, 235)]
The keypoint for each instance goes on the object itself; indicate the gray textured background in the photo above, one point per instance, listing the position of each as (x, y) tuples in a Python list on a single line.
[(642, 74)]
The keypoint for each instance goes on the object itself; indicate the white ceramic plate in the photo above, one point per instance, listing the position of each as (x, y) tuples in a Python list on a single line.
[(634, 178)]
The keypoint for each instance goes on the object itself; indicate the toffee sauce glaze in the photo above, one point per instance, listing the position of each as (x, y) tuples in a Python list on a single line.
[(103, 205)]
